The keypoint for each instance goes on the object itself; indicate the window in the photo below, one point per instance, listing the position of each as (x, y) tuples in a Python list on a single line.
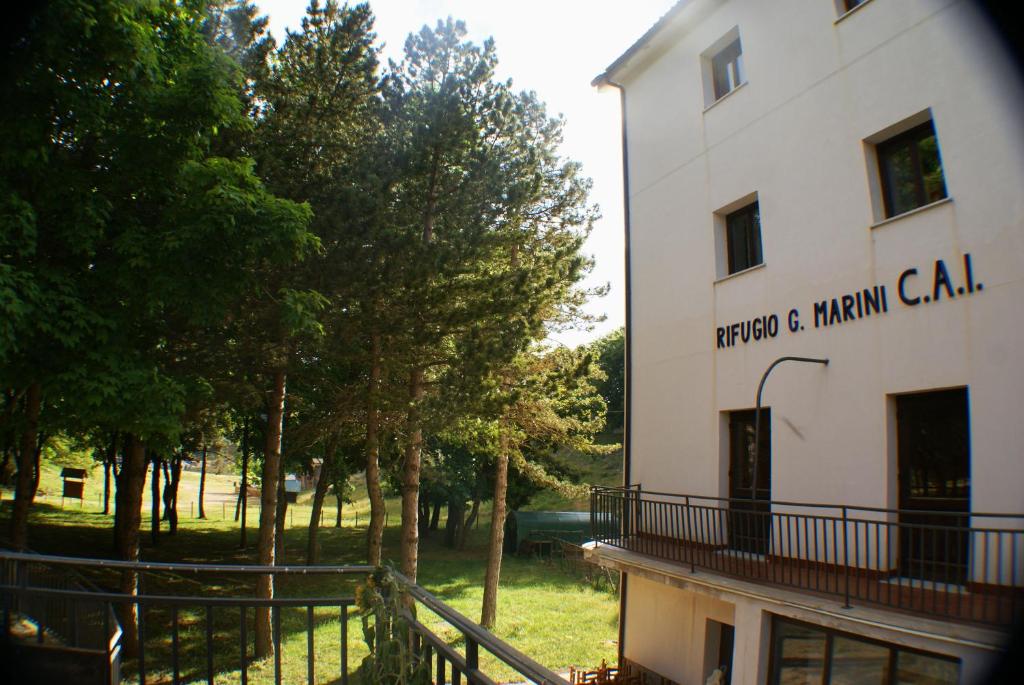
[(727, 68), (743, 238), (847, 5), (910, 170), (718, 647), (804, 653), (722, 67)]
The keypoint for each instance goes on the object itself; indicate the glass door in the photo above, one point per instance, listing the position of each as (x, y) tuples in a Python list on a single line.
[(934, 454), (749, 509)]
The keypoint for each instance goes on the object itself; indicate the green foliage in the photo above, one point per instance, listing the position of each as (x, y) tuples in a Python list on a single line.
[(385, 614), (554, 404), (128, 241), (610, 351), (61, 450)]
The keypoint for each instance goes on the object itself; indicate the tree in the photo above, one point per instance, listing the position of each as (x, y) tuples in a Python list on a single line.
[(315, 106), (490, 223), (551, 402), (610, 351), (110, 193)]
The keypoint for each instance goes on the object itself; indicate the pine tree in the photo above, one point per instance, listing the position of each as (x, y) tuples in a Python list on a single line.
[(490, 223)]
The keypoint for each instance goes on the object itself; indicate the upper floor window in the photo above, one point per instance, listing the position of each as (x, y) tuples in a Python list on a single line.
[(722, 66), (910, 170), (743, 238), (848, 5), (727, 68)]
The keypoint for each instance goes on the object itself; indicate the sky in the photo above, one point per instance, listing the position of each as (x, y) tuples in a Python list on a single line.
[(556, 48)]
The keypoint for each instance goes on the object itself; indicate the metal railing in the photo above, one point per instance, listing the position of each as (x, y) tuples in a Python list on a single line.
[(959, 565), (47, 626), (182, 636)]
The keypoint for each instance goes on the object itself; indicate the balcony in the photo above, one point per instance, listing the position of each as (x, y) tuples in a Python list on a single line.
[(63, 622), (954, 566)]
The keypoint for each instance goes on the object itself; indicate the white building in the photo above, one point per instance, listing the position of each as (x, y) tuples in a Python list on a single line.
[(836, 180)]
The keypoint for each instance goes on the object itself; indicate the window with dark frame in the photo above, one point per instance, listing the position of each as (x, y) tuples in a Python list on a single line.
[(727, 69), (743, 238), (807, 653), (852, 4), (910, 170)]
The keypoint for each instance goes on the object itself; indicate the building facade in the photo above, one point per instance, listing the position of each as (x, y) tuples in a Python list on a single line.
[(828, 180)]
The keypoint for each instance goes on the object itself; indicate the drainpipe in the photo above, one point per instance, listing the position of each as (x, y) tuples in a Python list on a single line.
[(757, 413), (627, 422)]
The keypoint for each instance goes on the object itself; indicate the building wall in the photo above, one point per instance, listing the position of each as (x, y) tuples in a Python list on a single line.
[(794, 134), (667, 629), (668, 625), (799, 134)]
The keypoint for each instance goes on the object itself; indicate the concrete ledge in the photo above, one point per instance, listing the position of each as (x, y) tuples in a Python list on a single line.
[(808, 607)]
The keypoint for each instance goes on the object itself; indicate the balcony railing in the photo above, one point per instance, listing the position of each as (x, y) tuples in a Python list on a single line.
[(185, 637), (955, 565)]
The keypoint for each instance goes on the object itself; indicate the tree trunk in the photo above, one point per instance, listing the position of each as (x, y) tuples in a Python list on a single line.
[(109, 465), (172, 518), (490, 603), (423, 515), (106, 486), (312, 549), (375, 530), (119, 494), (37, 466), (24, 492), (202, 485), (474, 512), (167, 491), (337, 521), (411, 477), (435, 519), (5, 467), (130, 484), (279, 521), (244, 494), (11, 401), (268, 508), (455, 524), (154, 506)]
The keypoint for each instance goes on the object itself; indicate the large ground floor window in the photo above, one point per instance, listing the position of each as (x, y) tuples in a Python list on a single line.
[(803, 654)]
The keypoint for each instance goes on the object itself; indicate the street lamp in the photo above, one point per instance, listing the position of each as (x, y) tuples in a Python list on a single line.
[(757, 412)]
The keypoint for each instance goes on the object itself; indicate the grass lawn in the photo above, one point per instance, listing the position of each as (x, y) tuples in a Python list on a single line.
[(546, 610)]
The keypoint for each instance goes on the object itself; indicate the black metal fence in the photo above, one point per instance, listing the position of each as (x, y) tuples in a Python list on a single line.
[(963, 566), (185, 637)]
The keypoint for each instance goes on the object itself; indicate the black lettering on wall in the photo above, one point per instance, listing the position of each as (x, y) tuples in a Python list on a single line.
[(941, 278), (820, 313), (773, 325), (834, 313), (901, 285), (871, 300), (848, 308), (794, 321), (721, 337)]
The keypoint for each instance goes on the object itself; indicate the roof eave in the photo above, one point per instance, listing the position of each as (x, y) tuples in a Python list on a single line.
[(606, 77)]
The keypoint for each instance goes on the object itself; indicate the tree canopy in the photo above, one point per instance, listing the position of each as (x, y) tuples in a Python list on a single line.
[(207, 235)]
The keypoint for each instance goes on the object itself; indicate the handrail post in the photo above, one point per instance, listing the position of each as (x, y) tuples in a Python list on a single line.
[(686, 520), (846, 563), (472, 659)]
